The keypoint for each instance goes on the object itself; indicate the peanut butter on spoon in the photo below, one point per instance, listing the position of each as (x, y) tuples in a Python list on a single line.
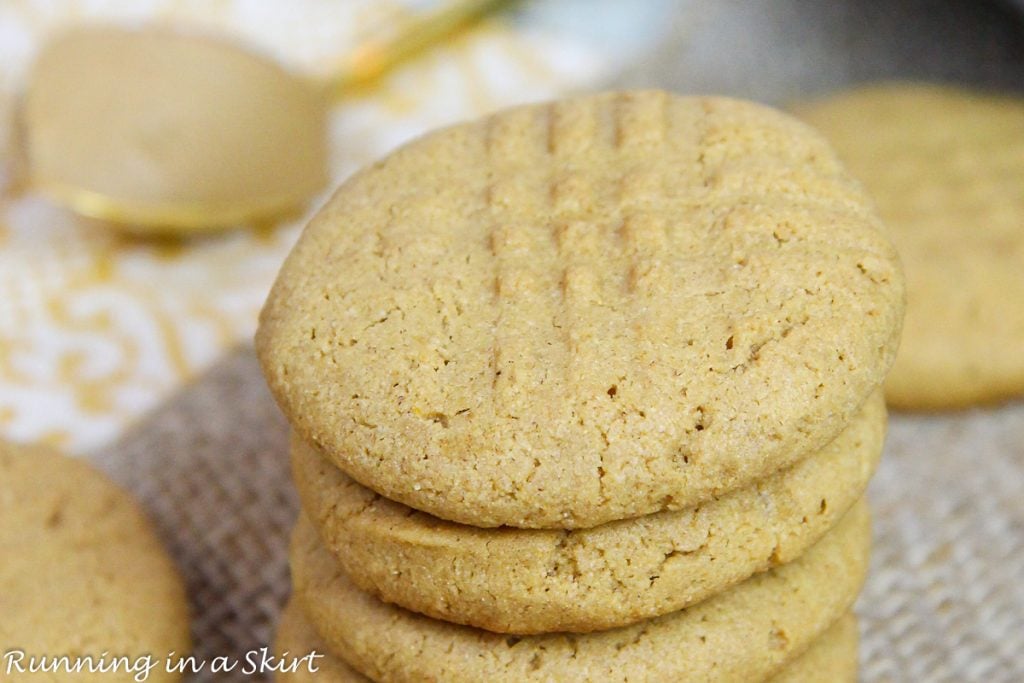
[(168, 132)]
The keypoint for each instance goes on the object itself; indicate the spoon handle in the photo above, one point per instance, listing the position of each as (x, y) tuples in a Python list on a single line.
[(374, 58)]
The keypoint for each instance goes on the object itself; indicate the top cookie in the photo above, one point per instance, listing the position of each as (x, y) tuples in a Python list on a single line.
[(571, 313), (82, 573), (946, 168)]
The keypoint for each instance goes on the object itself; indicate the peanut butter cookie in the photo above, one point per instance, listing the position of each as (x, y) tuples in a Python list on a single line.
[(82, 574), (746, 633), (946, 168), (590, 310), (539, 580)]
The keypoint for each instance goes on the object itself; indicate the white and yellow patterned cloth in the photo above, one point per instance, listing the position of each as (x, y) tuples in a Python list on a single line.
[(97, 328)]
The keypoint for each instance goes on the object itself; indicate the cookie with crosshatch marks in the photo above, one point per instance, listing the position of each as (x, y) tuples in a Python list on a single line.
[(745, 633), (576, 312), (946, 168), (82, 575)]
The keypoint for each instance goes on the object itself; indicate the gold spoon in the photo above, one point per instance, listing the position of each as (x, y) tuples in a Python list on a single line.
[(165, 132)]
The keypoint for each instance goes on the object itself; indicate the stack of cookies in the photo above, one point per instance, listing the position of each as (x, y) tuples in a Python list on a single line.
[(586, 391)]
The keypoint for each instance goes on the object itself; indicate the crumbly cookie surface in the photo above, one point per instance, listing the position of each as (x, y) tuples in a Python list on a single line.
[(831, 657), (746, 633), (946, 169), (82, 571), (540, 580), (578, 312)]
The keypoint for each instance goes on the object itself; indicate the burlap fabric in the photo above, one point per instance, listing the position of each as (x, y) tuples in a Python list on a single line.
[(945, 600)]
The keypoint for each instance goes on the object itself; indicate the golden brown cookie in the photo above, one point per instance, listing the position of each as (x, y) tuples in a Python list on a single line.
[(296, 638), (82, 574), (946, 168), (832, 657), (538, 580), (745, 633), (572, 313)]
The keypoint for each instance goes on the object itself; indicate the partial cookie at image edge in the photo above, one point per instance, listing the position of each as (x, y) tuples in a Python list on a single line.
[(945, 166), (84, 573)]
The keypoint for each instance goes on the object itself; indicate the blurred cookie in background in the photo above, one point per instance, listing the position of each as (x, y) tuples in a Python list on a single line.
[(946, 168), (82, 575)]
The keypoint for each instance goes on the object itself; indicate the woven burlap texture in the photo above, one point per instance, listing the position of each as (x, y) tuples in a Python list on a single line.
[(944, 602)]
